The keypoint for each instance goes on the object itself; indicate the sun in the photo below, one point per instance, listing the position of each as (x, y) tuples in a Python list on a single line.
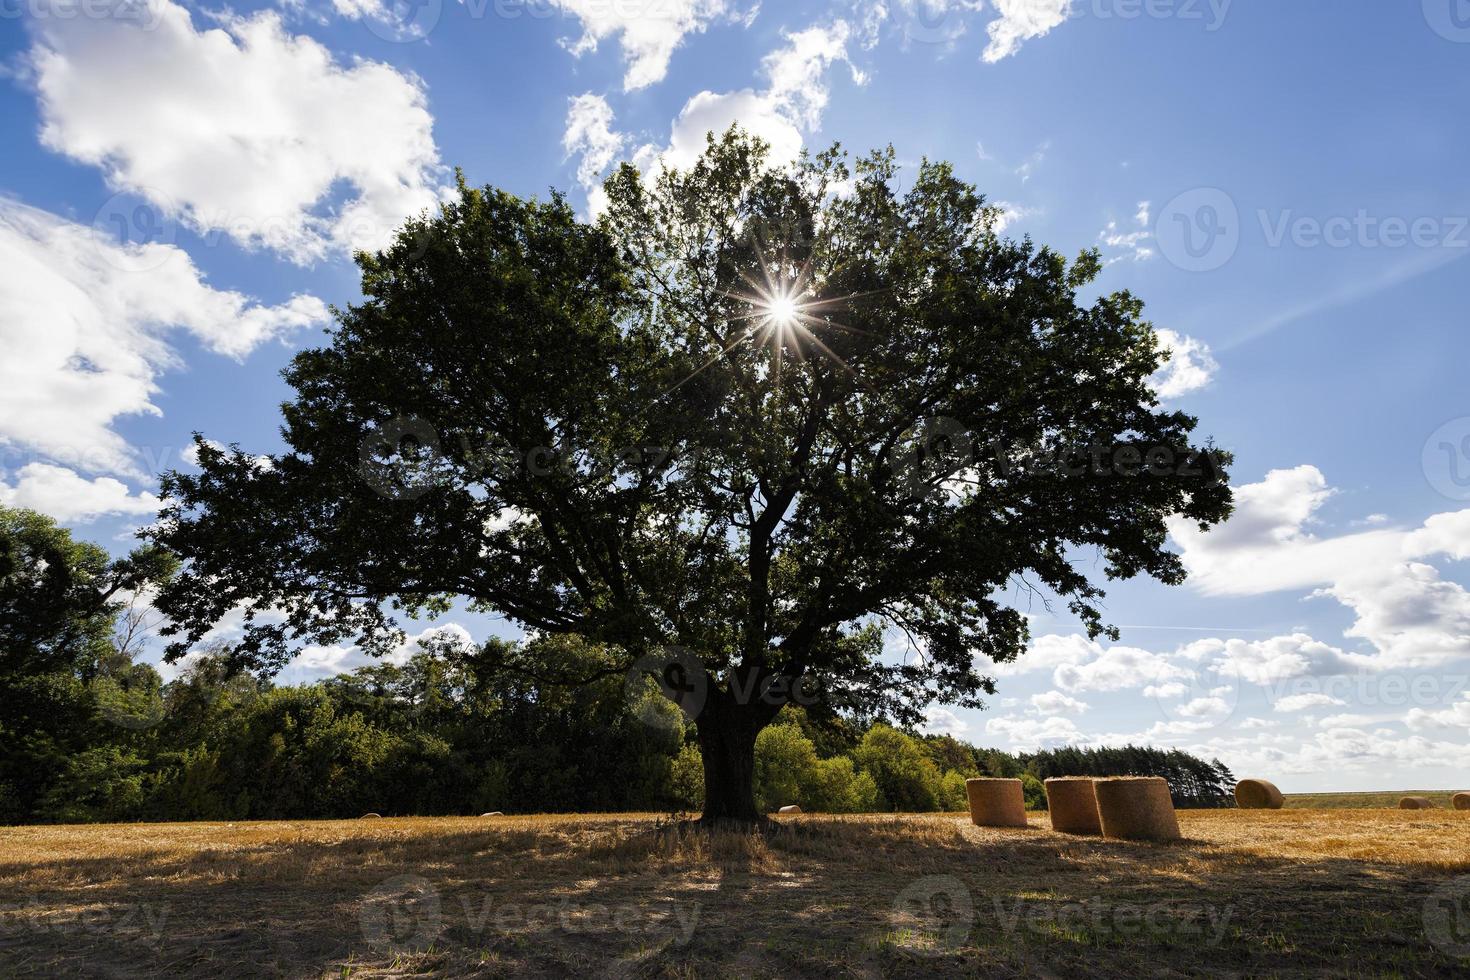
[(783, 311)]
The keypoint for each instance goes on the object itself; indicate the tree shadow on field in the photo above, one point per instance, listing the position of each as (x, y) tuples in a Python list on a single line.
[(871, 896)]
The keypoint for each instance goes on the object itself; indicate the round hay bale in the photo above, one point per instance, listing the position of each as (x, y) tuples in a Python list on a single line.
[(793, 808), (1460, 801), (996, 802), (1258, 794), (1072, 803), (493, 813), (1136, 808), (371, 816), (1417, 803)]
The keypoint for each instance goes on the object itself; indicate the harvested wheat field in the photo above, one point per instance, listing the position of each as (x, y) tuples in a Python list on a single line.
[(1246, 892)]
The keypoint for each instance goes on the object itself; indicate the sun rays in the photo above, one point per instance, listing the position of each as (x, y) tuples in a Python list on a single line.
[(787, 315), (781, 310)]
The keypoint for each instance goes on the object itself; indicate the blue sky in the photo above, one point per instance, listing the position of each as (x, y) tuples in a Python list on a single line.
[(1283, 183)]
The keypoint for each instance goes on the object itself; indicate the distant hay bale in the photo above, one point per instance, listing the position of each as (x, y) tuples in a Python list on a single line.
[(1258, 794), (793, 808), (996, 802), (1460, 801), (493, 813), (1136, 808), (1417, 803), (372, 816), (1072, 802)]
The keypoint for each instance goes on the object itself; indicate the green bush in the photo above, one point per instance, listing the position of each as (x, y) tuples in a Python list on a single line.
[(99, 784), (907, 780), (687, 778), (1034, 791), (952, 795), (836, 786), (784, 762)]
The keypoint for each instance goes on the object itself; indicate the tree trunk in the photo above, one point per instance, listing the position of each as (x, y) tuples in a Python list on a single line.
[(727, 747)]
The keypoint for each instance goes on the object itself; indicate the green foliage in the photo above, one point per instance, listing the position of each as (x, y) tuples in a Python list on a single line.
[(784, 759), (191, 782), (835, 786), (91, 735), (105, 783), (60, 600), (611, 441), (1034, 791), (906, 779), (686, 778), (952, 795)]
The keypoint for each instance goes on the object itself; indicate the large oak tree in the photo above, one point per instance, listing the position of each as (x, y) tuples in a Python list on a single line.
[(746, 424)]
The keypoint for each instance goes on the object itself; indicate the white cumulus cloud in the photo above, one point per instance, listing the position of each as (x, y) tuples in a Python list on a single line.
[(240, 129), (1190, 366), (648, 30), (1057, 703), (939, 720), (1301, 702), (1117, 668), (85, 326), (1405, 608), (792, 102), (71, 498), (1022, 20)]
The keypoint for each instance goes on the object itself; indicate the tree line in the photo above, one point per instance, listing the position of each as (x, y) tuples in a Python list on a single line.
[(91, 734)]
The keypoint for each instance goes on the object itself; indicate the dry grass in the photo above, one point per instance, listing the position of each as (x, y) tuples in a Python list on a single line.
[(1246, 893)]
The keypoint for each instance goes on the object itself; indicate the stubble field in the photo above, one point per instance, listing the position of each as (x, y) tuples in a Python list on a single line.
[(1260, 893)]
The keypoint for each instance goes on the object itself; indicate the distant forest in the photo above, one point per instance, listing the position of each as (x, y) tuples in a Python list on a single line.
[(89, 733), (431, 737)]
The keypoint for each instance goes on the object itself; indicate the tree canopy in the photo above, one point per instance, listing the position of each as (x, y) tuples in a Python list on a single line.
[(64, 647), (757, 413)]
